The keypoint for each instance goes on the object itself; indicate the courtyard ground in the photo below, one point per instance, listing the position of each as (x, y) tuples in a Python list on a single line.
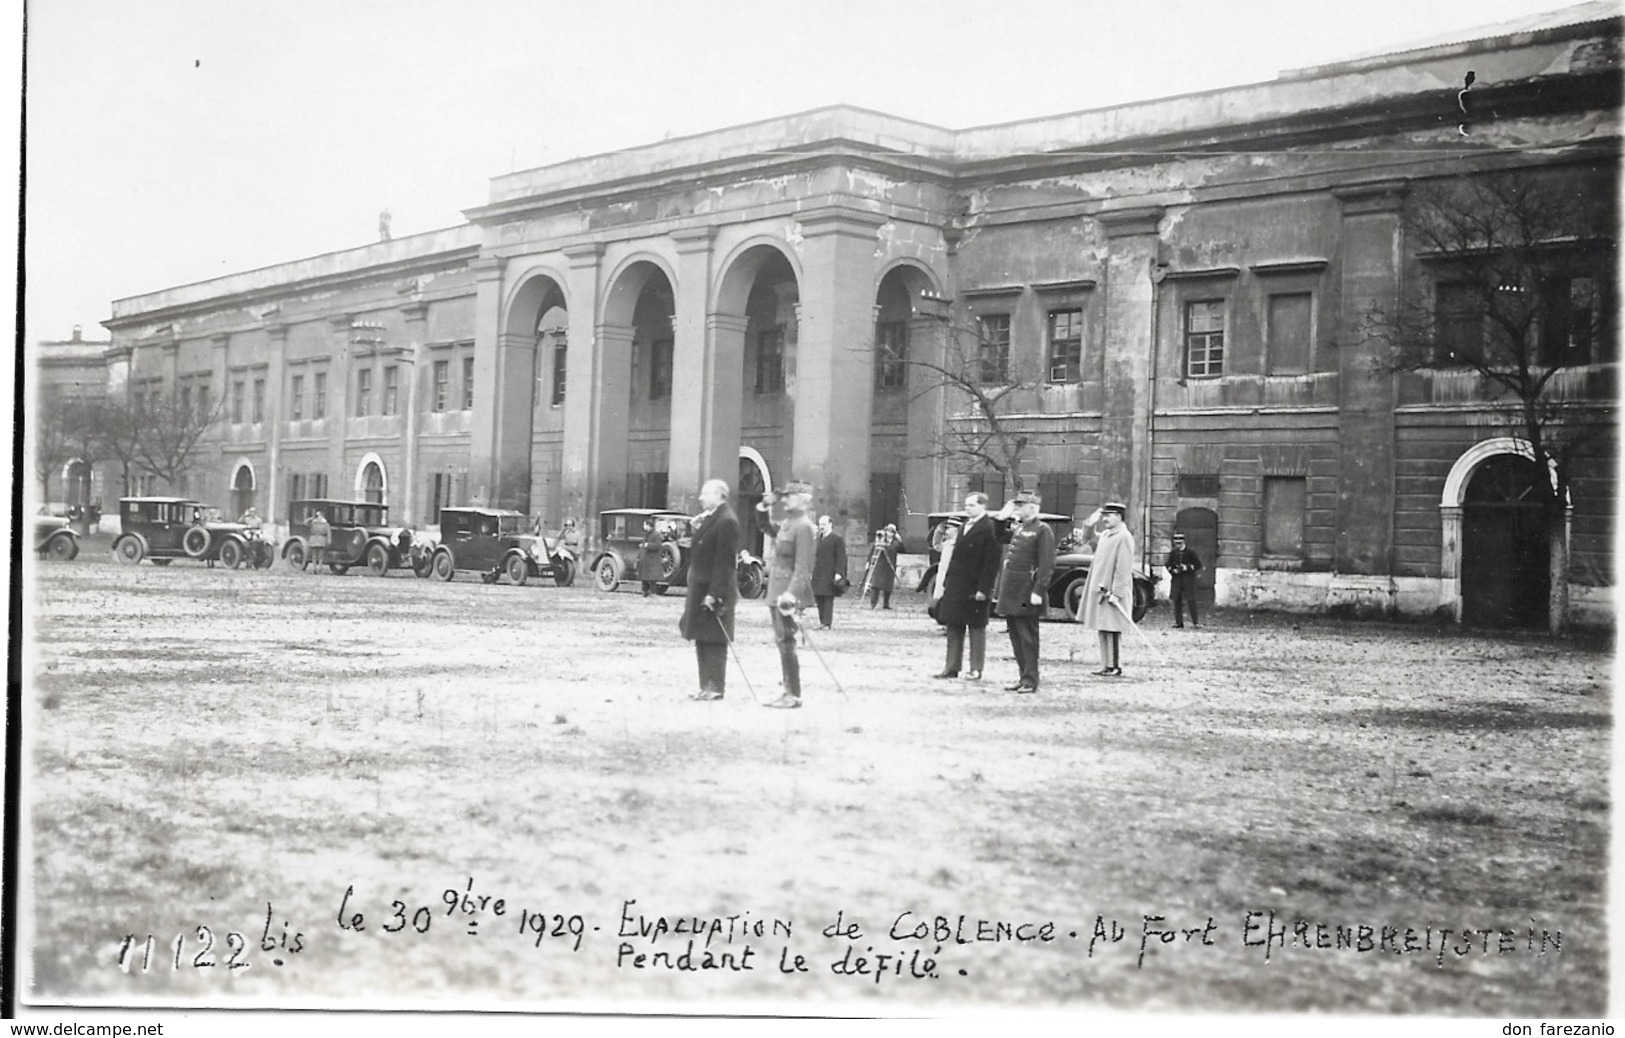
[(249, 788)]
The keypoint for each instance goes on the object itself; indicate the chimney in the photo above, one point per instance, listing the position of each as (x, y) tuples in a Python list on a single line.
[(77, 330)]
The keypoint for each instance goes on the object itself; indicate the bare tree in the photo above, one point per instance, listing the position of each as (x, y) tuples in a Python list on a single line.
[(111, 431), (1517, 273), (982, 386), (54, 444), (168, 434)]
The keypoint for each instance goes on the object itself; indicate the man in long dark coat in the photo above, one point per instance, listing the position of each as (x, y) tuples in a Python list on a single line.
[(967, 588), (650, 571), (708, 613), (1029, 562), (829, 570)]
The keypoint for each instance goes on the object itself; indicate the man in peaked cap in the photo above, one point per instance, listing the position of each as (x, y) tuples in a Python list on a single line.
[(1029, 560), (789, 580), (1109, 593)]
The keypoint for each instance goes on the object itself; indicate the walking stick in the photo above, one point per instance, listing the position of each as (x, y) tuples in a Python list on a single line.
[(808, 639), (735, 654), (1118, 605)]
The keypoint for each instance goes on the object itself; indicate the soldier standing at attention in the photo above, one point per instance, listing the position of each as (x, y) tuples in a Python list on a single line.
[(1183, 565), (789, 580), (1024, 585)]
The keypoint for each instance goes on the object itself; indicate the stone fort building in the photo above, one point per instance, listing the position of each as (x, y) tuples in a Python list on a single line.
[(1175, 289)]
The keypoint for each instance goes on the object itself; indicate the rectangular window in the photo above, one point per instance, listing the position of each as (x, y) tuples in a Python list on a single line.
[(296, 491), (259, 400), (989, 483), (1204, 338), (1065, 346), (1458, 316), (1290, 333), (318, 484), (203, 414), (392, 388), (468, 383), (237, 388), (296, 399), (1285, 498), (1059, 491), (993, 348), (1574, 326), (651, 489), (770, 360), (891, 355), (885, 498), (363, 392), (560, 366), (660, 374), (185, 408), (318, 401), (442, 385)]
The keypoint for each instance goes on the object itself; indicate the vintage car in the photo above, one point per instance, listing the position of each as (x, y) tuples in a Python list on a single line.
[(1067, 580), (497, 541), (359, 533), (168, 528), (620, 542), (54, 538)]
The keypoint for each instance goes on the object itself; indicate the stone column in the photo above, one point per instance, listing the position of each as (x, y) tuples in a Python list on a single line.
[(695, 393), (219, 376), (338, 431), (416, 314), (581, 393), (607, 444), (486, 429), (1365, 408), (276, 357), (834, 380), (1125, 424), (1450, 560)]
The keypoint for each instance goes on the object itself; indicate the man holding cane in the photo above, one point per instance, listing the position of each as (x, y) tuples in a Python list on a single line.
[(1109, 593), (708, 613)]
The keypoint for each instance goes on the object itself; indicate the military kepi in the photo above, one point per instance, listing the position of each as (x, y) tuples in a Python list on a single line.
[(796, 486), (1115, 506), (1027, 497)]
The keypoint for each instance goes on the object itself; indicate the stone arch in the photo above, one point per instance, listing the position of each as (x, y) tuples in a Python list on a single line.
[(634, 371), (903, 405), (533, 293), (1453, 499), (243, 486), (627, 282), (740, 267), (372, 479), (755, 480)]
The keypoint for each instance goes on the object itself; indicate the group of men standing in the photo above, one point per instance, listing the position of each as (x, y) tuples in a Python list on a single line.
[(982, 572)]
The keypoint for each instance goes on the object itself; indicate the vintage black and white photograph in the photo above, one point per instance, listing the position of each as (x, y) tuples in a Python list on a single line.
[(766, 509)]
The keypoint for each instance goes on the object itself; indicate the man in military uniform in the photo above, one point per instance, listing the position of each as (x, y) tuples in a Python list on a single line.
[(1182, 565), (1024, 579), (789, 580)]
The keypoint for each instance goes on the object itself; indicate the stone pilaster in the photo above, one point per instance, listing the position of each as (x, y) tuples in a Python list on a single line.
[(488, 433), (403, 508), (1126, 421), (834, 370), (696, 393), (1365, 412), (339, 403), (582, 395)]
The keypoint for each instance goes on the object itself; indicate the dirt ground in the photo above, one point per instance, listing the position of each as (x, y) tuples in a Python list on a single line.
[(274, 789)]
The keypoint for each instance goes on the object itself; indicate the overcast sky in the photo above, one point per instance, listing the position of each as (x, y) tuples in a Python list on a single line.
[(171, 141)]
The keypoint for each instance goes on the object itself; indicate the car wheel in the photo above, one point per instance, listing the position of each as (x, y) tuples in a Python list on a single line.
[(129, 550), (377, 560), (295, 554), (1142, 601), (608, 574), (62, 548), (263, 557), (564, 572), (195, 542), (231, 555), (518, 570), (750, 581), (423, 567), (338, 569), (444, 567), (671, 557), (1074, 596)]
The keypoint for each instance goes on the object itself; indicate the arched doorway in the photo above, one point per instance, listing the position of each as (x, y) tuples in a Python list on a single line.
[(1201, 529), (371, 483), (530, 390), (752, 487), (632, 431), (242, 489), (1505, 560)]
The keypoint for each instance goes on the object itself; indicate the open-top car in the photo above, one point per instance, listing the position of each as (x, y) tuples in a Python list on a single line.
[(498, 541), (54, 538), (168, 528), (1067, 580), (620, 540), (359, 533)]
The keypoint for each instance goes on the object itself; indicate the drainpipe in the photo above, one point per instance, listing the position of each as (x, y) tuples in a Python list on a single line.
[(1158, 270)]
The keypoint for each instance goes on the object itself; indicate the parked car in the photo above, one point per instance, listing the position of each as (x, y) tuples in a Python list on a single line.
[(54, 538), (497, 541), (359, 533), (168, 528), (620, 539), (1067, 580)]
